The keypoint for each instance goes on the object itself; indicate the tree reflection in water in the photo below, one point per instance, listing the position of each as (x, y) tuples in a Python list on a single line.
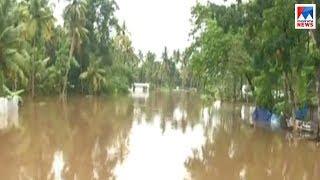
[(109, 138), (179, 110), (87, 138), (234, 150), (82, 139), (162, 136)]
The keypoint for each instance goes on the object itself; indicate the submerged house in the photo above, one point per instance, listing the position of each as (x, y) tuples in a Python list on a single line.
[(9, 112), (140, 90)]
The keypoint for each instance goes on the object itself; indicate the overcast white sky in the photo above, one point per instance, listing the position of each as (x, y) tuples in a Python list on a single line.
[(154, 24)]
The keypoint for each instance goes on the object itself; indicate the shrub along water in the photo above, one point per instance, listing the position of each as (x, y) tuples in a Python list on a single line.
[(255, 44)]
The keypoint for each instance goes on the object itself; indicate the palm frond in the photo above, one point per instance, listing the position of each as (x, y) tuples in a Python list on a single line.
[(84, 75)]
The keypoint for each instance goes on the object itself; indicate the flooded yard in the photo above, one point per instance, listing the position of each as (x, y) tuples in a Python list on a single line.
[(165, 137)]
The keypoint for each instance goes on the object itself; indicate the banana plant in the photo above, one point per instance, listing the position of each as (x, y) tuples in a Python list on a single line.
[(11, 94)]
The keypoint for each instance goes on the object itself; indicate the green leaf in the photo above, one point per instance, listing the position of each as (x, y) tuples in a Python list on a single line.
[(84, 75), (75, 63)]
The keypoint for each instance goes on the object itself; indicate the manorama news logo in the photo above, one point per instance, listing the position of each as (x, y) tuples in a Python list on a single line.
[(305, 16)]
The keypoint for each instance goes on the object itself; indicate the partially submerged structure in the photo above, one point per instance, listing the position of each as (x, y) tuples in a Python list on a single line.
[(303, 118), (140, 90), (9, 116)]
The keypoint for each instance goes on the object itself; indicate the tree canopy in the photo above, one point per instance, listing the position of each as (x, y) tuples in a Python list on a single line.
[(91, 53)]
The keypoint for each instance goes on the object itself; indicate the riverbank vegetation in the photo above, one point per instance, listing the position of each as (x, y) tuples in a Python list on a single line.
[(249, 50), (255, 44), (89, 53)]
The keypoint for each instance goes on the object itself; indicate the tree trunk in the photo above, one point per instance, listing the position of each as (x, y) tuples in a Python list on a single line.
[(293, 110), (161, 81), (250, 83), (293, 101), (316, 37), (65, 83), (33, 71), (15, 84), (234, 89), (241, 84), (318, 95), (205, 83)]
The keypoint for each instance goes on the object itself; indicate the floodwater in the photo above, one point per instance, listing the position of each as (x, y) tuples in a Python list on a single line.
[(167, 137)]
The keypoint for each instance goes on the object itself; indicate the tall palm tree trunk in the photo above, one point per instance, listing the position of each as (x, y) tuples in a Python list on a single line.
[(318, 95), (292, 99), (316, 37), (33, 71), (241, 83), (65, 83), (234, 88)]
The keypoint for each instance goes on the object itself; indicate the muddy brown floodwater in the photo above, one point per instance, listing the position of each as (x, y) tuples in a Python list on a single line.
[(167, 137)]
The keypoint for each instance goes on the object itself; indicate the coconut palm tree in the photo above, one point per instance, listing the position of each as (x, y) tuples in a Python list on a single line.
[(12, 55), (167, 68), (74, 21), (95, 75), (37, 27), (124, 45)]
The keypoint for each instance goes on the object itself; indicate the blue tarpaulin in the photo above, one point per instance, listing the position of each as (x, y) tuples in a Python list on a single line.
[(301, 113), (261, 114), (266, 119)]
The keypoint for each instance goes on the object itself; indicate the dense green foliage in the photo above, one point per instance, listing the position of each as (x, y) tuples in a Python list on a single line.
[(255, 44), (89, 54)]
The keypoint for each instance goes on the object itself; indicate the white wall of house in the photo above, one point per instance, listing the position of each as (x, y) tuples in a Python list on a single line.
[(138, 89), (9, 115)]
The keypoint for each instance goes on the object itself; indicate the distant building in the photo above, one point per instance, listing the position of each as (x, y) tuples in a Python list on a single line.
[(140, 90)]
